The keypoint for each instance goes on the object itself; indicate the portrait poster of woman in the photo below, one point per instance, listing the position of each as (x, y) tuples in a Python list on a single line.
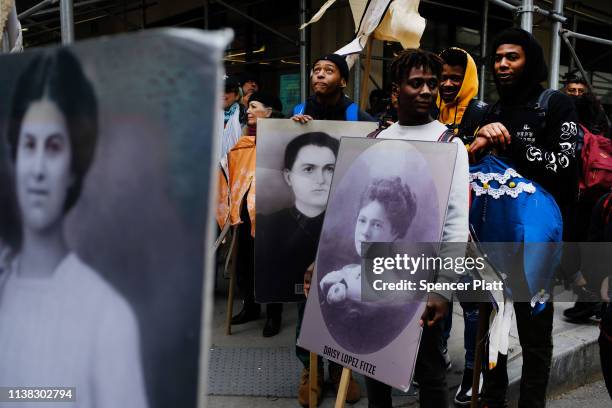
[(295, 166), (106, 162), (392, 191)]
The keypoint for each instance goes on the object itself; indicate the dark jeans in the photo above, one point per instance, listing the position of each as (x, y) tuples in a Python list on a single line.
[(429, 372), (470, 331), (535, 335), (245, 268), (605, 347)]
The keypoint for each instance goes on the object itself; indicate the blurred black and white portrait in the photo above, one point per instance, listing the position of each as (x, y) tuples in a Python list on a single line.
[(104, 214)]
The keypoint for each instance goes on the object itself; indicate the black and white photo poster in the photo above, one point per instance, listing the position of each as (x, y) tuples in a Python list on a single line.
[(106, 163), (384, 191), (295, 166)]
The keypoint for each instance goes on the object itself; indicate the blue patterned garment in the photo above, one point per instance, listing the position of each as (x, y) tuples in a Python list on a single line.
[(506, 207)]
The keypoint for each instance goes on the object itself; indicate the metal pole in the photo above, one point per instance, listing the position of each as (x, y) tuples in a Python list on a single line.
[(573, 41), (555, 48), (587, 37), (505, 5), (67, 21), (526, 11), (254, 20), (303, 76), (564, 34), (357, 79), (483, 50), (36, 8)]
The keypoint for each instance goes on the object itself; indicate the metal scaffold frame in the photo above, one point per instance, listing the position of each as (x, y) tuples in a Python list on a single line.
[(525, 9)]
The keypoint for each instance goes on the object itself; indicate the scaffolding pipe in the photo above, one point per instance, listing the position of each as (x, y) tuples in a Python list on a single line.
[(564, 35), (587, 37), (526, 11), (303, 76), (555, 48), (254, 20), (505, 5), (483, 50), (582, 14), (357, 79), (55, 10), (36, 8), (573, 41), (67, 21)]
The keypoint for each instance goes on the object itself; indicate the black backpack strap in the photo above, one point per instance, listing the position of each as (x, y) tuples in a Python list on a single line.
[(541, 105), (447, 136), (374, 134), (544, 99)]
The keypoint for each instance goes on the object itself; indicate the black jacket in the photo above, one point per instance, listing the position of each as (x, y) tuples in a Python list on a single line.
[(543, 143), (286, 245)]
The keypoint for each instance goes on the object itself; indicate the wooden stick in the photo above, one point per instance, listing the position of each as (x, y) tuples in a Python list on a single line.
[(231, 263), (484, 311), (343, 388), (313, 395), (365, 79), (221, 236)]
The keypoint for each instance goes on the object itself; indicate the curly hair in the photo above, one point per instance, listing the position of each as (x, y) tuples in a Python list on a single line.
[(455, 57), (414, 58), (397, 200)]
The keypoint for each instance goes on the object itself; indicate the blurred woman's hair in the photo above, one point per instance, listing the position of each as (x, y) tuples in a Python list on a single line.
[(57, 76)]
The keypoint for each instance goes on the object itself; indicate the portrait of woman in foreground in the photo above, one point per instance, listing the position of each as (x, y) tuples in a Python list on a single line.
[(61, 323)]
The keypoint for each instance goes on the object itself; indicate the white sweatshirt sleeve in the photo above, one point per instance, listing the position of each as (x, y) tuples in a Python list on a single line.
[(456, 223)]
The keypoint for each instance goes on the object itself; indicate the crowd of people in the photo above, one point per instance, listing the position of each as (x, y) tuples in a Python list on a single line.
[(544, 133)]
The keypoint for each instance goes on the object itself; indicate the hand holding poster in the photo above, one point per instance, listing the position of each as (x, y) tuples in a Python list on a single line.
[(295, 165), (383, 191), (106, 158)]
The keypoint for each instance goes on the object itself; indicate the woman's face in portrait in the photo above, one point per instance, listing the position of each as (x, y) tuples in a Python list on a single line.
[(257, 110), (373, 225), (43, 165), (310, 178)]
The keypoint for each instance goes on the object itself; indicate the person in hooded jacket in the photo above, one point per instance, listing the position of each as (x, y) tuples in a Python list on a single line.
[(540, 143), (456, 105), (460, 112)]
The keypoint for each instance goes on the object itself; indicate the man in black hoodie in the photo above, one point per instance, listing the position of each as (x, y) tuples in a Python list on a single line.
[(540, 140)]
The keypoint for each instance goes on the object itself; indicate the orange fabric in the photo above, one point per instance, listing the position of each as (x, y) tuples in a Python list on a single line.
[(234, 187)]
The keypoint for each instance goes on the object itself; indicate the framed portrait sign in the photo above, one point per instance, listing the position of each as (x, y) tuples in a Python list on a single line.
[(107, 156), (383, 191), (295, 165)]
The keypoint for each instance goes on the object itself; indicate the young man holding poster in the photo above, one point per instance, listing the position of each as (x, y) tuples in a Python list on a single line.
[(328, 102), (417, 74)]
